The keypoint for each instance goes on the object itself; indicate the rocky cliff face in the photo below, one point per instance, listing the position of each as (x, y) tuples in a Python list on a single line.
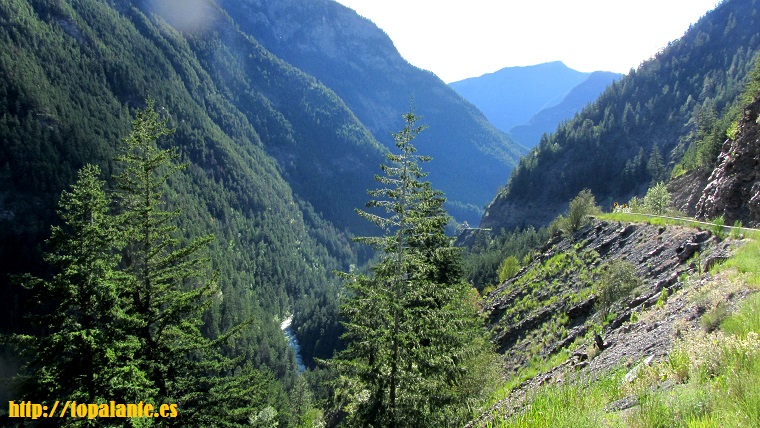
[(687, 189), (733, 189)]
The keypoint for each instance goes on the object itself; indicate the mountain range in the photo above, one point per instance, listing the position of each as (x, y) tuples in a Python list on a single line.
[(527, 102), (359, 62), (642, 126)]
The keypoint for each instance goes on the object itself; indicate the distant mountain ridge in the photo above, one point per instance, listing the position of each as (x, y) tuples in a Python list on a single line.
[(640, 126), (358, 61), (512, 96)]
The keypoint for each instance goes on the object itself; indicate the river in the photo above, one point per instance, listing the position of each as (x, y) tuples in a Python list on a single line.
[(285, 326)]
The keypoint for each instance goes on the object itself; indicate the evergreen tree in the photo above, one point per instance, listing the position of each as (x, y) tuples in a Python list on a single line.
[(170, 288), (85, 352), (656, 166), (411, 324)]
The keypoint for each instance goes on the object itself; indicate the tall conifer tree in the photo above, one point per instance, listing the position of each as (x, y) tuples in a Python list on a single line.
[(411, 324), (171, 286), (85, 350)]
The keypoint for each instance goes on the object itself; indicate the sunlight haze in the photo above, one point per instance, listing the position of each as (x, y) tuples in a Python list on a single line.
[(458, 39)]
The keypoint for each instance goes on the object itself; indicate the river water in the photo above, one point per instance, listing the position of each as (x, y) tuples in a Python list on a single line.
[(285, 326)]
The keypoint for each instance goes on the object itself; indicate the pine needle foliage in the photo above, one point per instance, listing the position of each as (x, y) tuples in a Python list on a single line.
[(84, 350), (412, 329), (171, 286), (126, 305)]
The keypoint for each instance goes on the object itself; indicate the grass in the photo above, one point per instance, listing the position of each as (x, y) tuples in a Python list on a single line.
[(745, 320), (660, 221), (570, 405), (535, 366), (715, 375), (641, 218), (746, 261)]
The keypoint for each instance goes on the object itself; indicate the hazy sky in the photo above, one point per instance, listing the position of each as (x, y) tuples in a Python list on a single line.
[(457, 39)]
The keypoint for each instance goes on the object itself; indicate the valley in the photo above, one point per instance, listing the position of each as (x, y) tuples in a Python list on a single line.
[(265, 215)]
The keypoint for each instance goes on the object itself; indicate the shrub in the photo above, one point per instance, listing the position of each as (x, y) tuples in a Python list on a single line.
[(615, 282), (717, 227), (508, 268), (558, 225), (736, 232), (636, 205), (657, 200), (662, 299), (581, 207)]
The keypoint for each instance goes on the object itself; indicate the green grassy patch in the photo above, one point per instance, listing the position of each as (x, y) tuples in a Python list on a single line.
[(641, 218), (746, 320), (534, 367), (716, 385), (570, 405), (712, 377), (747, 261)]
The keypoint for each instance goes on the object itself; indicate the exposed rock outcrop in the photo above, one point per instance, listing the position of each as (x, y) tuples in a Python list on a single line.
[(667, 306), (687, 189), (733, 189), (552, 300)]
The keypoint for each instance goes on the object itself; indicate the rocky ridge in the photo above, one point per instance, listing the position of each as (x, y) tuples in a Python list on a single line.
[(671, 262)]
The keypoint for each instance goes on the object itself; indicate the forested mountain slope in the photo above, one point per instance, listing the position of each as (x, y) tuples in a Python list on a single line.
[(547, 120), (357, 60), (641, 126), (262, 141)]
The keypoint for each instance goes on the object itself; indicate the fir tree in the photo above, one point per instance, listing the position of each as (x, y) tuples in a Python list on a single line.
[(171, 286), (656, 166), (85, 352), (411, 325)]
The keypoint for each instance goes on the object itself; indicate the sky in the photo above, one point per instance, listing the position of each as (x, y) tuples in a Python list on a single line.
[(457, 39)]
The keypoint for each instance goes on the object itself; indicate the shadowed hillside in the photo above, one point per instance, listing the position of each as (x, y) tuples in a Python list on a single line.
[(357, 60)]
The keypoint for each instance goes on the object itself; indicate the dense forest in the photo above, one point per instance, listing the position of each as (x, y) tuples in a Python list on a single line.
[(175, 186), (660, 114), (73, 77)]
